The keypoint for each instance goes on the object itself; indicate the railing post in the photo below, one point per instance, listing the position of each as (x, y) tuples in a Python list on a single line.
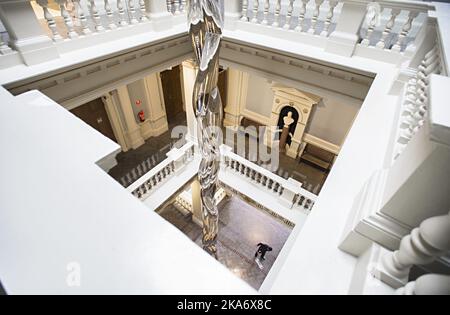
[(346, 35), (290, 190), (159, 14), (233, 12), (424, 245), (25, 32), (430, 284)]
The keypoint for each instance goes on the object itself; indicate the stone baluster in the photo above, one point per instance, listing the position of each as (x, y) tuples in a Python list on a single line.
[(143, 10), (424, 245), (429, 284), (4, 48), (121, 10), (388, 29), (169, 6), (82, 17), (405, 31), (371, 24), (132, 11), (109, 15), (96, 16), (315, 17), (255, 11), (301, 16), (50, 20), (287, 25), (244, 11), (177, 7), (329, 18), (67, 20), (265, 20), (276, 14)]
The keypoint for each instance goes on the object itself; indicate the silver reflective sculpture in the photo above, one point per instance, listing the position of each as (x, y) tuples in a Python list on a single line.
[(206, 19)]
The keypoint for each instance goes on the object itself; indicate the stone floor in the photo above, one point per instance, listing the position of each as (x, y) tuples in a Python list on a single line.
[(242, 227), (150, 154)]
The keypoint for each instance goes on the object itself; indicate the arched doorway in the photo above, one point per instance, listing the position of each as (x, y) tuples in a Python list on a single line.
[(295, 116)]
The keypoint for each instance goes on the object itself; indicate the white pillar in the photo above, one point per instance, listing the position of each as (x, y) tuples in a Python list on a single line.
[(25, 32), (346, 35), (157, 110), (197, 215), (189, 76), (237, 87), (113, 115), (133, 131)]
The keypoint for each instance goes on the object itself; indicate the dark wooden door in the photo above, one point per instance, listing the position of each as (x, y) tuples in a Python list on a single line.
[(94, 114), (173, 97)]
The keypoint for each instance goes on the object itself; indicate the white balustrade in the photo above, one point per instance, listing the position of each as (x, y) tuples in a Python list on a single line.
[(287, 25), (423, 246), (301, 17), (176, 159), (405, 31), (109, 15), (315, 17), (67, 20), (415, 103), (96, 16), (388, 29), (143, 9), (132, 12), (121, 10), (4, 48), (372, 19), (289, 191), (50, 20), (255, 11), (265, 20), (245, 11), (326, 28), (82, 17), (430, 284), (276, 20)]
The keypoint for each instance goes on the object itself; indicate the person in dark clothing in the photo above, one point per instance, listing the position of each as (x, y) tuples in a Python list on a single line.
[(263, 249)]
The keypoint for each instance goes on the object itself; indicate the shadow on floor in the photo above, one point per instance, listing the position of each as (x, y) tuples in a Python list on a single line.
[(241, 228)]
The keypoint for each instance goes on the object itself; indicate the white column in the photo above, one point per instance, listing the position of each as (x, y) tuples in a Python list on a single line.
[(346, 35), (189, 76), (197, 215), (133, 131), (157, 110), (236, 96), (25, 33), (114, 118)]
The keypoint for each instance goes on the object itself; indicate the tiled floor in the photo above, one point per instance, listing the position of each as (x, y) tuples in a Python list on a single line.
[(242, 227)]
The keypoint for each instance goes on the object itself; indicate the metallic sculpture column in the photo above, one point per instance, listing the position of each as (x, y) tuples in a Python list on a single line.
[(206, 19)]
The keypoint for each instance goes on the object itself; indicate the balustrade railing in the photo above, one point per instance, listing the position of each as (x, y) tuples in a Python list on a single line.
[(389, 24), (424, 245), (177, 158), (287, 190), (176, 7), (415, 103), (86, 17), (315, 17)]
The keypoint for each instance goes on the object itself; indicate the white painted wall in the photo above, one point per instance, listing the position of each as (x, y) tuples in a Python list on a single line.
[(259, 96), (331, 120)]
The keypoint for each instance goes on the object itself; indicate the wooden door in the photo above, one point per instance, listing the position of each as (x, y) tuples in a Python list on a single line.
[(94, 114), (173, 97)]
